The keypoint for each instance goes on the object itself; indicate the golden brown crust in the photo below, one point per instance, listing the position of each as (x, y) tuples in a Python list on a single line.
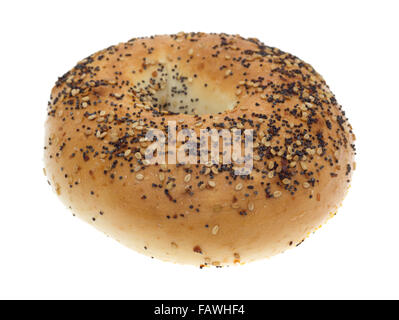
[(100, 111)]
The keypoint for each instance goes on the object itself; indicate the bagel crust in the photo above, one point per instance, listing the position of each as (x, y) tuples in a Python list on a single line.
[(199, 214)]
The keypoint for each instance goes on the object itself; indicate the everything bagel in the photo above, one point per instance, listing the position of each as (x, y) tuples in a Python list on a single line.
[(203, 214)]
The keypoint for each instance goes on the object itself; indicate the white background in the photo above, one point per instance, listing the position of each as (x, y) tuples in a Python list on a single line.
[(46, 253)]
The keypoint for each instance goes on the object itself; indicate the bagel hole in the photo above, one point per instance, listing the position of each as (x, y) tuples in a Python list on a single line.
[(182, 94)]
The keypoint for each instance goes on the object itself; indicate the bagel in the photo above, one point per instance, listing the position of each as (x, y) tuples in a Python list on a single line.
[(204, 214)]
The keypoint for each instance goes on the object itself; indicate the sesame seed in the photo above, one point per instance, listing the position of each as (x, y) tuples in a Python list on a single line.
[(251, 206), (304, 165), (127, 152), (137, 155), (169, 185), (215, 229), (239, 187), (277, 194), (187, 178), (270, 174), (270, 165)]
